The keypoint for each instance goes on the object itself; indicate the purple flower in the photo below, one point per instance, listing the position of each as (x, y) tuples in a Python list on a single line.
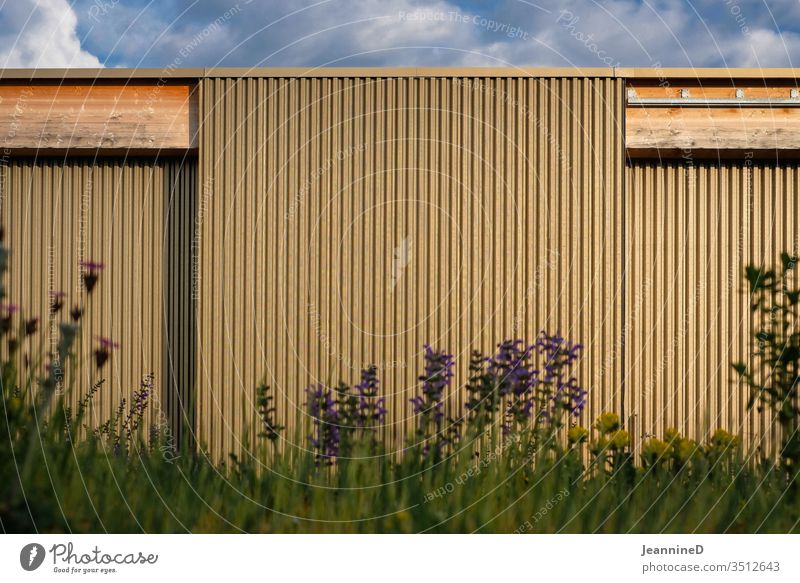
[(437, 374), (369, 382), (91, 275), (561, 357), (75, 313), (56, 301), (107, 342), (140, 397), (31, 326), (371, 409), (436, 377), (510, 368), (529, 382), (325, 436), (102, 353), (92, 265), (511, 373)]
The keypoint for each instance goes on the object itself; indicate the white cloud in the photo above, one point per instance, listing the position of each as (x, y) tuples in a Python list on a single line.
[(277, 33), (766, 48), (41, 33)]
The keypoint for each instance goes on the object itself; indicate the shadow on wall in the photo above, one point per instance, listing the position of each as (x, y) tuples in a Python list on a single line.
[(179, 264)]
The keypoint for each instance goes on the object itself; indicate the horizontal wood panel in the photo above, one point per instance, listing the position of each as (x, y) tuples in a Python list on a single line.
[(714, 89), (663, 128), (142, 116), (660, 74)]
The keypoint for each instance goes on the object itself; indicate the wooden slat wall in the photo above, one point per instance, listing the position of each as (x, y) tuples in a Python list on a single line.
[(57, 213), (130, 116), (692, 227), (665, 129), (507, 190)]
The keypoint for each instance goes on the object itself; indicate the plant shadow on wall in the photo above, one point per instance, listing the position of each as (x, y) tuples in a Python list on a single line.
[(774, 376), (514, 458)]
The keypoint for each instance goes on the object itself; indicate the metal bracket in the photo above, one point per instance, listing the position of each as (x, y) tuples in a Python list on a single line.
[(793, 101), (685, 100)]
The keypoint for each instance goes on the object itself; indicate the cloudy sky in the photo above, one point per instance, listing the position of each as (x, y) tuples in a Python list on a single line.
[(310, 33)]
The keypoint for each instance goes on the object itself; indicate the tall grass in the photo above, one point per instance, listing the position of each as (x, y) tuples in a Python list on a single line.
[(87, 488)]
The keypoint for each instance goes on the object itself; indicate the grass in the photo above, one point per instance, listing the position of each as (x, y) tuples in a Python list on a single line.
[(60, 488)]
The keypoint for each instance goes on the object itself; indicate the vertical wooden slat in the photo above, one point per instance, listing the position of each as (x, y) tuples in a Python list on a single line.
[(493, 181), (60, 212), (717, 218)]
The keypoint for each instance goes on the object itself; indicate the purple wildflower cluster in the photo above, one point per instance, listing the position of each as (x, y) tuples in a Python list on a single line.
[(340, 415), (326, 435), (511, 372), (56, 301), (559, 385), (90, 274), (371, 408), (103, 351), (435, 379), (429, 406), (511, 377), (140, 397), (510, 368)]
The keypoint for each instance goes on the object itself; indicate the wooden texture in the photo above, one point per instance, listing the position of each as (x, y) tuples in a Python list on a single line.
[(690, 230), (666, 130), (505, 194), (751, 128), (135, 216), (137, 116), (705, 73)]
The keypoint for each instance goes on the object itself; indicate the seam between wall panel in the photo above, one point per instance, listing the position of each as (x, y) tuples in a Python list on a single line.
[(623, 253)]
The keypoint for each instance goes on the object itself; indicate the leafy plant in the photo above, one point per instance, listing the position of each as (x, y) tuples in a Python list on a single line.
[(773, 376), (611, 448), (267, 412)]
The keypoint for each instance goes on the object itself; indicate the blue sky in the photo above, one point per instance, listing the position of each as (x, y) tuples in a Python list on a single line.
[(310, 33)]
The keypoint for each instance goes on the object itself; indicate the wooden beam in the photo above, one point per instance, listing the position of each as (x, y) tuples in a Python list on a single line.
[(714, 89), (704, 74), (137, 116), (717, 155), (705, 126), (665, 128)]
